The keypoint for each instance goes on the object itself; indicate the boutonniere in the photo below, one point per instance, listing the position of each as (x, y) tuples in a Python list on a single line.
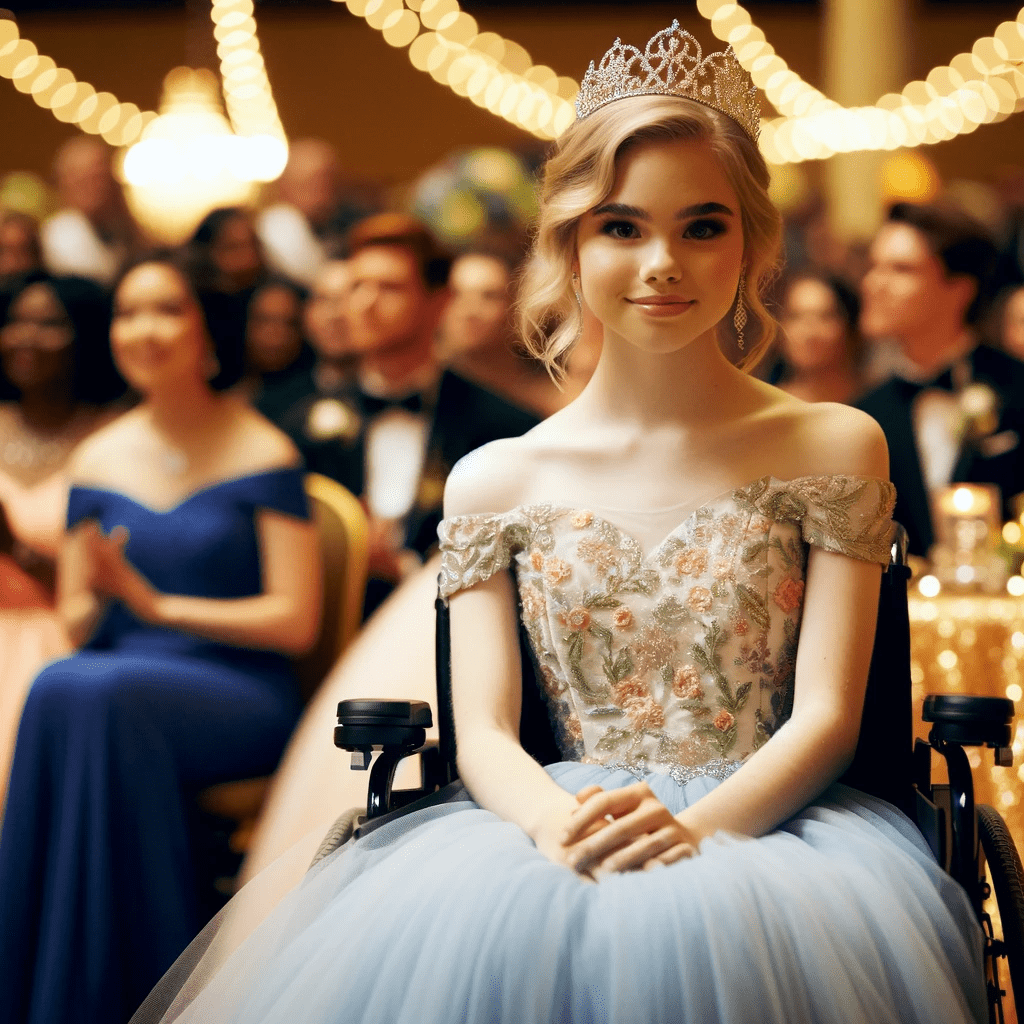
[(332, 419), (979, 408)]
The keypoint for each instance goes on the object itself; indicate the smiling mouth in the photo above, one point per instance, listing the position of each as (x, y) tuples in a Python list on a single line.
[(662, 300)]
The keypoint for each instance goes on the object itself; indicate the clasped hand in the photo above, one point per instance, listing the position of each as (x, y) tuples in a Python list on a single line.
[(617, 830), (110, 574)]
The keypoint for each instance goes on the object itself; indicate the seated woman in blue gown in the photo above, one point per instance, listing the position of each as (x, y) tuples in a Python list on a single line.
[(696, 560), (190, 574)]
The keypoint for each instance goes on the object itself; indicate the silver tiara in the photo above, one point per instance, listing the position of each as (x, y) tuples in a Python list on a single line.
[(672, 65)]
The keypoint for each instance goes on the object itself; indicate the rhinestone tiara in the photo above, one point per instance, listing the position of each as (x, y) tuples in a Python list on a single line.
[(672, 64)]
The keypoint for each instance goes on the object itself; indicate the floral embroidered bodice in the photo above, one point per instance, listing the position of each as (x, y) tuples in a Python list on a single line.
[(680, 660)]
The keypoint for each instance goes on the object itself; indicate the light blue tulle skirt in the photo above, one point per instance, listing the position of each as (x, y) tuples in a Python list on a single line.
[(451, 915)]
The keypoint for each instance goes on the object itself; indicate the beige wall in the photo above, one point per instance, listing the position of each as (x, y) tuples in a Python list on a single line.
[(334, 76)]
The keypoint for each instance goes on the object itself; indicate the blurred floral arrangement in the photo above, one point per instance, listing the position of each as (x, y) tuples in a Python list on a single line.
[(476, 196)]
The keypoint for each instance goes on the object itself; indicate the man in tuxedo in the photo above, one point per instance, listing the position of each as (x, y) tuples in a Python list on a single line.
[(394, 432), (954, 411)]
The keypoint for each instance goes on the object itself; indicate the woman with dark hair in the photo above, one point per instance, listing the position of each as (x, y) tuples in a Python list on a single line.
[(224, 252), (276, 350), (21, 251), (55, 373), (189, 575), (821, 349)]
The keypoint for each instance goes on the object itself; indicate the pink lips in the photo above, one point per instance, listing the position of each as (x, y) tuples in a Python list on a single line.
[(663, 305)]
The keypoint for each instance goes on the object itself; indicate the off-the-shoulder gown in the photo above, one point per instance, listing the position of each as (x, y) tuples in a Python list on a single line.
[(674, 665), (97, 889)]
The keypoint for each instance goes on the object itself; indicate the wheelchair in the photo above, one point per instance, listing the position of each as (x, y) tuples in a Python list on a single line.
[(972, 843)]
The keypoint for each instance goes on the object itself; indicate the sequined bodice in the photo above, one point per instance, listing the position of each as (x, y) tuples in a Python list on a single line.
[(681, 660)]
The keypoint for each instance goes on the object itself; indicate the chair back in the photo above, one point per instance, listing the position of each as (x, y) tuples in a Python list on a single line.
[(344, 542)]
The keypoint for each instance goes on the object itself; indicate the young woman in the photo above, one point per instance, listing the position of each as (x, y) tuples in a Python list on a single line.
[(697, 558), (821, 350), (190, 573)]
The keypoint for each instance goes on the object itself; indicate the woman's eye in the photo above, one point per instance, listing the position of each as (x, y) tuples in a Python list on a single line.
[(702, 230), (620, 229)]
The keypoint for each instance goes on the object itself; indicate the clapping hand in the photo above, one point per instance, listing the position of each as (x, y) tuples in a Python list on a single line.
[(639, 832), (112, 575)]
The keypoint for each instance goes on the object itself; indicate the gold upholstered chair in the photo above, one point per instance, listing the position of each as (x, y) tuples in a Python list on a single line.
[(344, 545)]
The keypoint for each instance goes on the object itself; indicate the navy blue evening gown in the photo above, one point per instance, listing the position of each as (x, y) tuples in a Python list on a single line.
[(97, 880)]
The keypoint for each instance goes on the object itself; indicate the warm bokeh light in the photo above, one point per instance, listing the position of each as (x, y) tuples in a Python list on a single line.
[(929, 586), (56, 89), (190, 162), (1012, 533)]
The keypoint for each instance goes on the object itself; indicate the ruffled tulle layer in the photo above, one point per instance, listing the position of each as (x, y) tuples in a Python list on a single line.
[(451, 915)]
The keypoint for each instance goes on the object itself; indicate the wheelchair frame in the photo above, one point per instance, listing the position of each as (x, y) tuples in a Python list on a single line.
[(887, 764)]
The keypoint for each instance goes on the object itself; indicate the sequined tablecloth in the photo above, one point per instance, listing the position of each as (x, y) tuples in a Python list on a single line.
[(974, 645)]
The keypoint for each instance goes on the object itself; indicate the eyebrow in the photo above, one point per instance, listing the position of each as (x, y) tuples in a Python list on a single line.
[(697, 210)]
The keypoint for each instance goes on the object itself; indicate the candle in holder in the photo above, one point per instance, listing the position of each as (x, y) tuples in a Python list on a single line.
[(968, 533)]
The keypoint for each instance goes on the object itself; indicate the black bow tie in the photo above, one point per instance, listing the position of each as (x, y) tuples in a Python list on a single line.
[(374, 406)]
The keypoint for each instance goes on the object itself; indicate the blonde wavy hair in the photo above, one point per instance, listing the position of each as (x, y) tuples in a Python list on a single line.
[(581, 173)]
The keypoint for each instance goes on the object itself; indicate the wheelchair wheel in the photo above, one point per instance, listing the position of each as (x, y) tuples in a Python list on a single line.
[(1007, 876)]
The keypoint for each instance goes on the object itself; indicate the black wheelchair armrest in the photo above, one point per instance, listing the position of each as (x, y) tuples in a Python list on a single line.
[(971, 722), (397, 728)]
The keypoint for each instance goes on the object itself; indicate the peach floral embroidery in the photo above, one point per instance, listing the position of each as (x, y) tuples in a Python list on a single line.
[(622, 619), (582, 520), (700, 599), (702, 534), (723, 721), (577, 619), (573, 728), (644, 713), (557, 571), (721, 568), (598, 553), (652, 648), (740, 627), (686, 683), (691, 562), (533, 602), (536, 560), (631, 688), (788, 594)]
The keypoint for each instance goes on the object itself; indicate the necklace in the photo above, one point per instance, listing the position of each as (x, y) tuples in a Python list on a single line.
[(26, 451)]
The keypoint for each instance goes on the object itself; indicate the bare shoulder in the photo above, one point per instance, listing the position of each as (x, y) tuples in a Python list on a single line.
[(839, 439), (489, 479), (104, 455), (262, 445)]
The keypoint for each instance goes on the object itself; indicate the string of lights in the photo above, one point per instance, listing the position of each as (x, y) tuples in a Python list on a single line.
[(57, 89), (976, 87), (494, 73)]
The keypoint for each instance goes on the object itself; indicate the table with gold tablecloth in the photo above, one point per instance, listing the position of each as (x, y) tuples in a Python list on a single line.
[(974, 644)]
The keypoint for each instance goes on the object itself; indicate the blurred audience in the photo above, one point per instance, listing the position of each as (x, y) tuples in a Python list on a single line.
[(821, 349), (393, 433), (477, 338), (1010, 321), (278, 359), (189, 575), (55, 378), (93, 234), (224, 253), (955, 411), (312, 215), (21, 250)]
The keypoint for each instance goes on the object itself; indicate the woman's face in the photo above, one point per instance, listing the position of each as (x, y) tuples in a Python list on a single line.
[(273, 332), (477, 314), (815, 334), (660, 257), (236, 252), (158, 336), (36, 343)]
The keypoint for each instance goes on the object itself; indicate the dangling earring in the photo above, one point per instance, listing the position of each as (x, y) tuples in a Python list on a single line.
[(739, 318), (579, 306)]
